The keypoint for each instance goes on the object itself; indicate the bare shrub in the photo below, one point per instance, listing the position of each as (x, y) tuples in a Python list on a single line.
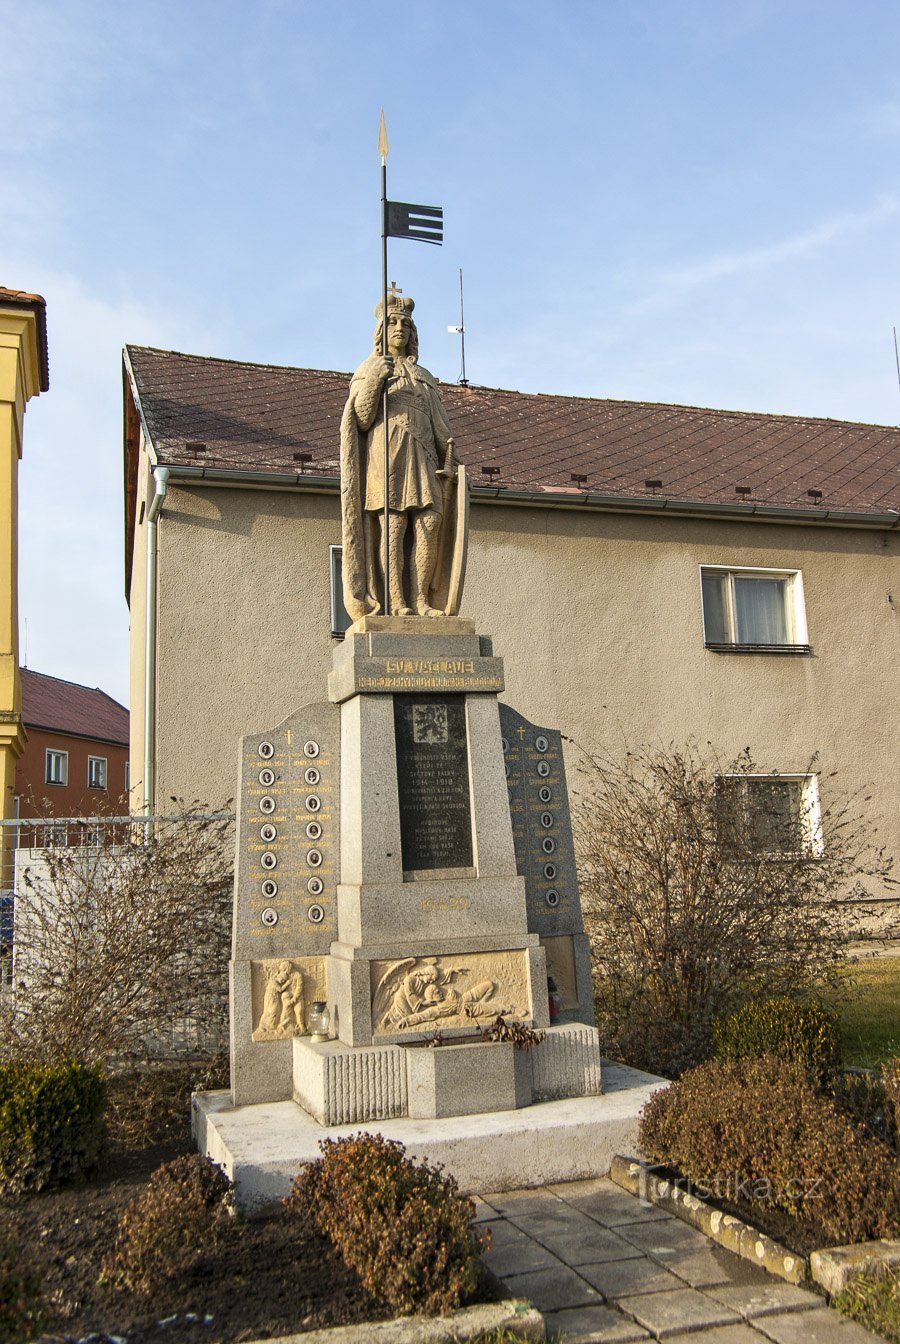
[(120, 945), (402, 1225), (701, 890), (177, 1217)]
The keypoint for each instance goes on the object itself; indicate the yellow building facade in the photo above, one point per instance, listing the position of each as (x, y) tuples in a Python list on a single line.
[(23, 375)]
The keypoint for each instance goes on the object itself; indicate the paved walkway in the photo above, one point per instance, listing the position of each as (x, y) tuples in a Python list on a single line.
[(605, 1267)]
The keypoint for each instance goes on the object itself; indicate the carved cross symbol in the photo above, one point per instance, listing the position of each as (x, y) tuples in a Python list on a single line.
[(521, 731), (394, 291)]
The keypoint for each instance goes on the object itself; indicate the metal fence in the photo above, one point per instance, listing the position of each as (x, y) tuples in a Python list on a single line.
[(201, 1032), (95, 832)]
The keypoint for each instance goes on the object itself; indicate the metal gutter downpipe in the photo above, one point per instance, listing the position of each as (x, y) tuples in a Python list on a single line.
[(161, 483)]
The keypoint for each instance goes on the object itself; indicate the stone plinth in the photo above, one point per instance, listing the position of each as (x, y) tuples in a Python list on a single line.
[(405, 854), (261, 1148), (338, 1084)]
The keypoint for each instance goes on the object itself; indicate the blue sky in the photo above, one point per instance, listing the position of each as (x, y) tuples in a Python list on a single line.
[(685, 201)]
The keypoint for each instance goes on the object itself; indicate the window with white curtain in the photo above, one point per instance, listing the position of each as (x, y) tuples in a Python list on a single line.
[(753, 608)]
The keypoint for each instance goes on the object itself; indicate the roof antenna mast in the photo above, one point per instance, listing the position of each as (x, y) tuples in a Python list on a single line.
[(897, 356), (460, 331)]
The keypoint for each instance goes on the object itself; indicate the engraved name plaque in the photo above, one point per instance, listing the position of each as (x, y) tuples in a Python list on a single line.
[(433, 781)]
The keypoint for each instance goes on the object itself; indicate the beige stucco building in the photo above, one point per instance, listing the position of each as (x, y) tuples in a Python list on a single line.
[(648, 573)]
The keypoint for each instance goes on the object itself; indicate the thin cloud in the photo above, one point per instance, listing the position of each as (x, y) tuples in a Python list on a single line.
[(674, 284)]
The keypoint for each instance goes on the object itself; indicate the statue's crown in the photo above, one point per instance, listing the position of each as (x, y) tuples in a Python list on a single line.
[(397, 303)]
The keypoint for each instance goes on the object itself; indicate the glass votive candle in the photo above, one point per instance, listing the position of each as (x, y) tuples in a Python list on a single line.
[(319, 1021)]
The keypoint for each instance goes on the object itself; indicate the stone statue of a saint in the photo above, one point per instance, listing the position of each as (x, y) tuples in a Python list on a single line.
[(426, 486)]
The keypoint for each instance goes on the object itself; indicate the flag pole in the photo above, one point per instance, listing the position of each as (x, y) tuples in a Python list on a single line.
[(386, 525)]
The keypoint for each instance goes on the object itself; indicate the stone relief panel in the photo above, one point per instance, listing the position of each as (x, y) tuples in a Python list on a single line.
[(430, 993), (561, 970), (283, 990)]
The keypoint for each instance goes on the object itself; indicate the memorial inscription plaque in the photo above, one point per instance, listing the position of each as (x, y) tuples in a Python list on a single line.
[(433, 781), (542, 825)]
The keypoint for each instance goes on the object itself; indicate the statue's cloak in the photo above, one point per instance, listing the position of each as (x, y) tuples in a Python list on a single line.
[(361, 567)]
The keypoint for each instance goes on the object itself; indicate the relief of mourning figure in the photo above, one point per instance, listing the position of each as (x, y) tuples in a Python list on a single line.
[(426, 487), (282, 1013)]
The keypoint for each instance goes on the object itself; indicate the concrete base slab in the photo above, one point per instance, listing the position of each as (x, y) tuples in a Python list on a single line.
[(261, 1148)]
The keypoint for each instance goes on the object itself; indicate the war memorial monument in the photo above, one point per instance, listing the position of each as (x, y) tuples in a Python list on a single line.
[(405, 872)]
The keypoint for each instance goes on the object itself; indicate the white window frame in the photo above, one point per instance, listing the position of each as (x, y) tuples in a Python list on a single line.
[(104, 763), (796, 604), (340, 617), (810, 810), (63, 757)]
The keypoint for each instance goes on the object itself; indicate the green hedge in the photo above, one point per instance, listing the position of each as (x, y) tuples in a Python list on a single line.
[(51, 1123), (800, 1030)]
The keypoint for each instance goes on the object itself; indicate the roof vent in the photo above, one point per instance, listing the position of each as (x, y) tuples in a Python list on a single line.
[(743, 490), (195, 447), (303, 458), (814, 494), (578, 478), (653, 485), (490, 472)]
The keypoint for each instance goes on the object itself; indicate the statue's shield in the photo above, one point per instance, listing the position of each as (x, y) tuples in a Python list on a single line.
[(450, 570)]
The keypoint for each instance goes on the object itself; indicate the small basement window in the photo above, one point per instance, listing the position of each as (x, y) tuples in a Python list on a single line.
[(771, 814)]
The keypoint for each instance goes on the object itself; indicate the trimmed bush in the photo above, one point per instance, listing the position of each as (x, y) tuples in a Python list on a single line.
[(402, 1225), (21, 1315), (51, 1123), (800, 1030), (758, 1131), (182, 1210)]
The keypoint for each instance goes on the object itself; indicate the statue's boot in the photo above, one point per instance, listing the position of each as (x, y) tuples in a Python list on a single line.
[(424, 558)]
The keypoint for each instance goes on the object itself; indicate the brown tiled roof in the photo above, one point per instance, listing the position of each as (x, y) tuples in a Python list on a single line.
[(65, 707), (258, 417), (18, 298)]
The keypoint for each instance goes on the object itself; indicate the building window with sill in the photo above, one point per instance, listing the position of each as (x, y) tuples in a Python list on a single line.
[(340, 617), (56, 769), (753, 610), (774, 815), (96, 772)]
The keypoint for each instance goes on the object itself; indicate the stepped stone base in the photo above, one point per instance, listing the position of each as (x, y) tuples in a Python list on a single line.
[(338, 1084), (263, 1147)]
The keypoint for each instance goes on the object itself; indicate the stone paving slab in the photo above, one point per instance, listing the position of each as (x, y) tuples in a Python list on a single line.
[(821, 1326), (712, 1267), (722, 1334), (554, 1289), (594, 1325), (607, 1202), (576, 1245), (665, 1238), (765, 1299), (627, 1278), (674, 1312), (515, 1253)]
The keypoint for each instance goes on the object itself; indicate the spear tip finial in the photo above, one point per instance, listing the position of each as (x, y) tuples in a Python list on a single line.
[(382, 138)]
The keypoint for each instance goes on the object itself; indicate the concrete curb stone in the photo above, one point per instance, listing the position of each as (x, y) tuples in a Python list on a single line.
[(519, 1318), (641, 1178)]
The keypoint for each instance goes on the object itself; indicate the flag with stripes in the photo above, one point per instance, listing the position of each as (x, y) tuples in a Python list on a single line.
[(425, 223)]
